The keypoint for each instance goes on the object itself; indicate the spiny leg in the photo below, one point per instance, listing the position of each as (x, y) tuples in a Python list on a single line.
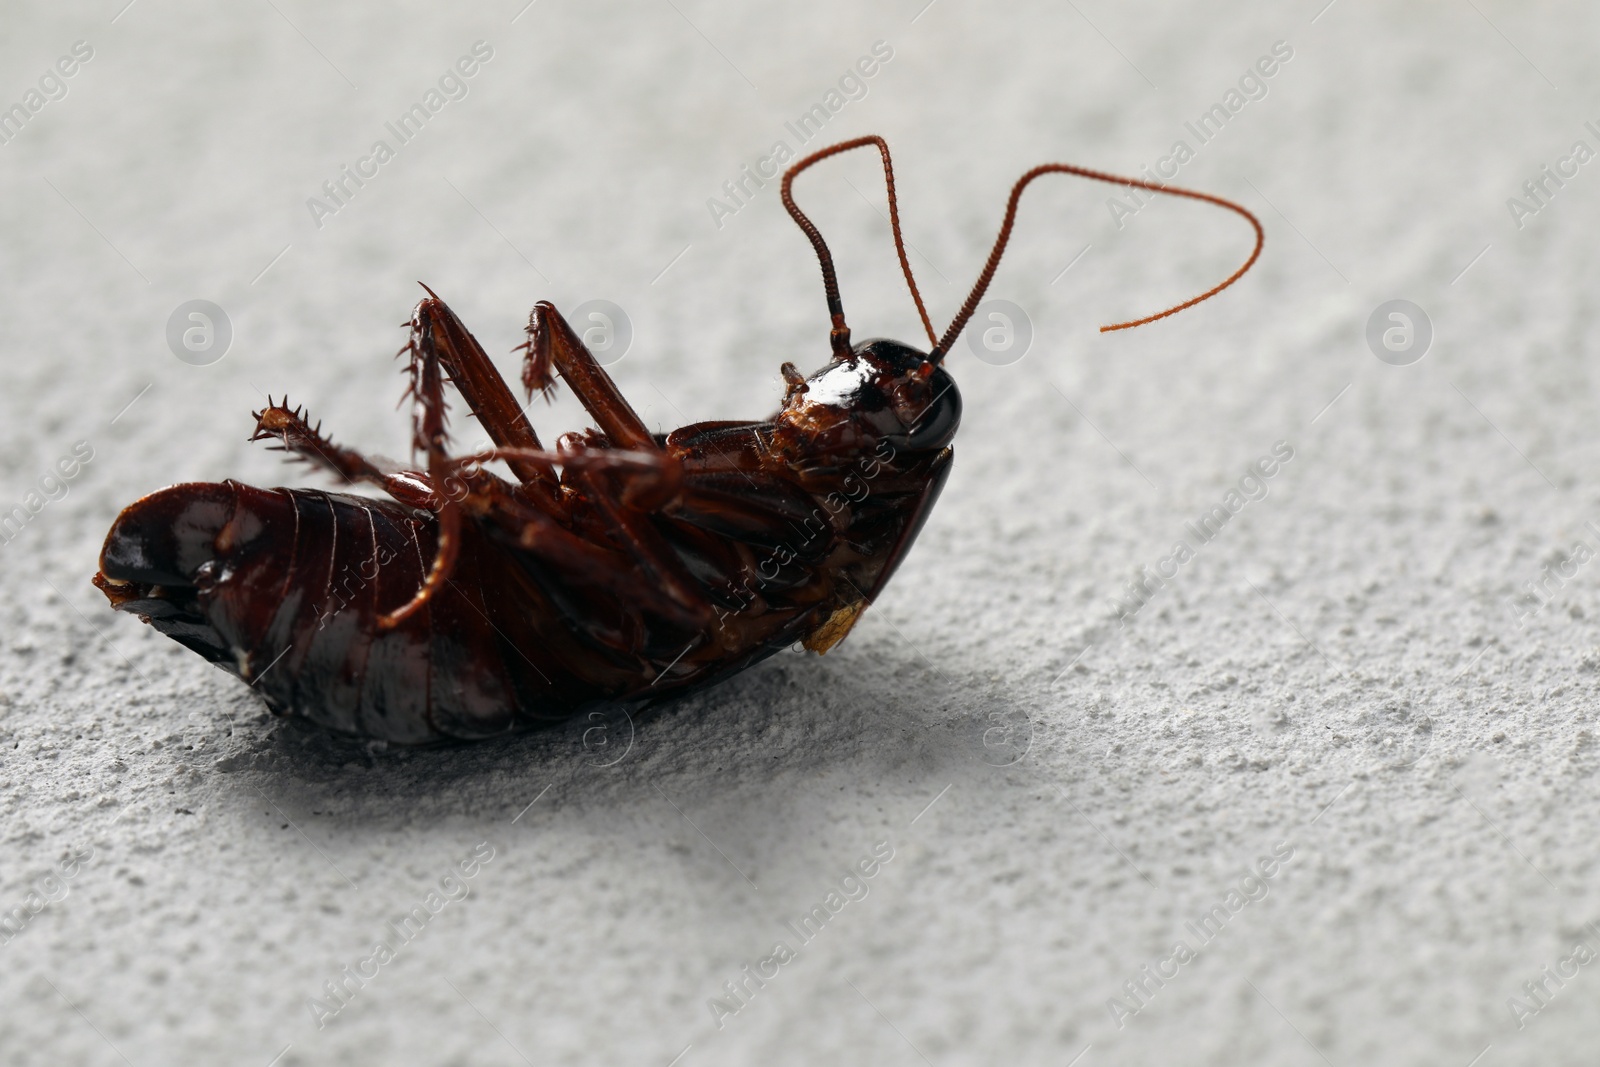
[(586, 560), (649, 480), (428, 435), (554, 348), (296, 436), (436, 331)]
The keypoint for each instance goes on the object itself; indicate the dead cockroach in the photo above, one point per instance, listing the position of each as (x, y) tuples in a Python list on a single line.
[(622, 566)]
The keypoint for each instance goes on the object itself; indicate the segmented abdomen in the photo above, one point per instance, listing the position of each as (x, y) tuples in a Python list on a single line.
[(467, 665)]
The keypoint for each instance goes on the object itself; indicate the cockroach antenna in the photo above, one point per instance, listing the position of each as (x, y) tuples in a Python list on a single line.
[(840, 334), (982, 284)]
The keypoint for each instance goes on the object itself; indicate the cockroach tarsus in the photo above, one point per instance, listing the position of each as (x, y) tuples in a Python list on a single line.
[(620, 566)]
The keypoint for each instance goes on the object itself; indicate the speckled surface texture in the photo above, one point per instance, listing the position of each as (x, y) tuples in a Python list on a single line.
[(1342, 674)]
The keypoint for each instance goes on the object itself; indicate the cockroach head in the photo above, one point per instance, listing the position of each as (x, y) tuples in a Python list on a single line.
[(881, 391)]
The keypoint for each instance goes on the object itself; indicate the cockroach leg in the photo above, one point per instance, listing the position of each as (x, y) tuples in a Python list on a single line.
[(646, 545), (575, 558), (295, 435), (444, 561), (650, 480), (428, 435), (553, 348), (626, 486), (436, 328)]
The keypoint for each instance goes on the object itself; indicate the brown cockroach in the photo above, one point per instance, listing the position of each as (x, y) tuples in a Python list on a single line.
[(624, 566)]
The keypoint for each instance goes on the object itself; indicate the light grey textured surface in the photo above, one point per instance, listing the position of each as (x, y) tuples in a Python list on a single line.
[(1339, 672)]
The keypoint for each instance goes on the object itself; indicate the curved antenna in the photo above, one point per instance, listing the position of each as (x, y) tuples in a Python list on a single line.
[(839, 336), (960, 321)]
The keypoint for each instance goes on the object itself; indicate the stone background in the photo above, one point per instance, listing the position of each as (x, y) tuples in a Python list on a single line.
[(1341, 674)]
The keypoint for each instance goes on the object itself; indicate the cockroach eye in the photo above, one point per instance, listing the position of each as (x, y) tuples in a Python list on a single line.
[(936, 427)]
